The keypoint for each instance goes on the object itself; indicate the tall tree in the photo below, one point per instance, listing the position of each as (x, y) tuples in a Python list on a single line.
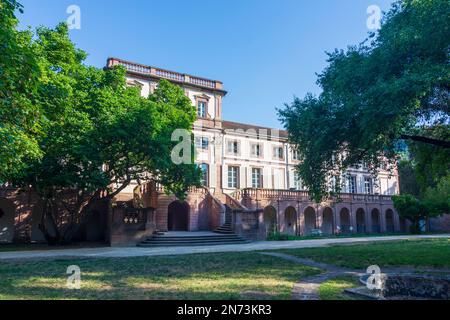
[(19, 73), (389, 88), (100, 135)]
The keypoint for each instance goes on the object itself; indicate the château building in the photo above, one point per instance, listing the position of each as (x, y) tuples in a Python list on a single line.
[(252, 169), (250, 186)]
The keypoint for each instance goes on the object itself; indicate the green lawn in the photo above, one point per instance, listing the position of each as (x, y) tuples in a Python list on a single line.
[(199, 276), (417, 253), (333, 289)]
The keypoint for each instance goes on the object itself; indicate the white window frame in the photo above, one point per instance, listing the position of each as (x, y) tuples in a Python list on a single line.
[(233, 177), (257, 178)]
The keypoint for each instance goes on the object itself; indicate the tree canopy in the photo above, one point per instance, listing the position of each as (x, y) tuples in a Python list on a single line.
[(393, 86), (96, 133), (19, 74)]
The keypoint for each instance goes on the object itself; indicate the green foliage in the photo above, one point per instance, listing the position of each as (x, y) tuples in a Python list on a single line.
[(430, 163), (100, 132), (375, 94), (411, 208), (407, 177), (435, 202), (19, 73), (95, 134)]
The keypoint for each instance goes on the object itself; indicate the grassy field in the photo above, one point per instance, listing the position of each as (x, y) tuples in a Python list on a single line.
[(200, 276), (417, 253), (333, 289)]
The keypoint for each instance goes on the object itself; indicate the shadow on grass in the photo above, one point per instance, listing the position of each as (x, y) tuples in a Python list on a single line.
[(199, 276)]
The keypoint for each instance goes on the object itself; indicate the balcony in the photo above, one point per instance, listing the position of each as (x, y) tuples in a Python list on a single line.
[(148, 71), (260, 194)]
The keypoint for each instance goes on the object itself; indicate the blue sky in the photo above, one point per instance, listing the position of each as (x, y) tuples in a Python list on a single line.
[(265, 51)]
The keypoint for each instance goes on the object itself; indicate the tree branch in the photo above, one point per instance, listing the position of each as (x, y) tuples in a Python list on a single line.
[(435, 142)]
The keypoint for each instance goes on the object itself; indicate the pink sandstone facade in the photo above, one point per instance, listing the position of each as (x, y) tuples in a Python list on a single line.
[(250, 186)]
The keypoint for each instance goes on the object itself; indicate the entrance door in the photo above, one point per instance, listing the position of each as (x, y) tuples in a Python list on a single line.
[(178, 216)]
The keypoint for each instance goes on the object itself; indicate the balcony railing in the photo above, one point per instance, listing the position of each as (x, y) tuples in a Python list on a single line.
[(261, 194), (165, 74)]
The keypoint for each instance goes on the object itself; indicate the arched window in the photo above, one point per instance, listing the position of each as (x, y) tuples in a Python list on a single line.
[(205, 174)]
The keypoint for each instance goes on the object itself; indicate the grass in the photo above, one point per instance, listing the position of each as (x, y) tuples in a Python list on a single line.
[(333, 289), (416, 253), (199, 276)]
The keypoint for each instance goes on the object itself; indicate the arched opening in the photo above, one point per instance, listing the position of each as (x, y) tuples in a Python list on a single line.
[(7, 212), (270, 219), (310, 220), (327, 221), (390, 221), (375, 218), (290, 215), (344, 217), (360, 221), (178, 216)]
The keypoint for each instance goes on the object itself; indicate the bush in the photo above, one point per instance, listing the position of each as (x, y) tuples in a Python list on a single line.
[(278, 236)]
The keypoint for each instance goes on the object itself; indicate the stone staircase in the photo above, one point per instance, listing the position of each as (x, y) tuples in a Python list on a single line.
[(226, 228), (188, 239)]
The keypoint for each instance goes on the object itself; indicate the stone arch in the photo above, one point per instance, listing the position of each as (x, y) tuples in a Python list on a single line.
[(376, 221), (344, 217), (178, 216), (270, 219), (327, 221), (290, 217), (310, 220), (360, 221), (390, 227), (7, 215)]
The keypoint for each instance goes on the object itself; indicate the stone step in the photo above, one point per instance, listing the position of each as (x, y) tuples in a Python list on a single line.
[(187, 244), (194, 240), (217, 237)]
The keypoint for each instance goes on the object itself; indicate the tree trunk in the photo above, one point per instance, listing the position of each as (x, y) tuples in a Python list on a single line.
[(48, 218)]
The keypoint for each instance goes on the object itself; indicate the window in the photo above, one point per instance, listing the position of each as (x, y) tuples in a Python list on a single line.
[(233, 177), (295, 155), (201, 109), (233, 147), (352, 184), (297, 182), (205, 174), (368, 186), (278, 152), (334, 183), (256, 178), (256, 150), (202, 143)]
